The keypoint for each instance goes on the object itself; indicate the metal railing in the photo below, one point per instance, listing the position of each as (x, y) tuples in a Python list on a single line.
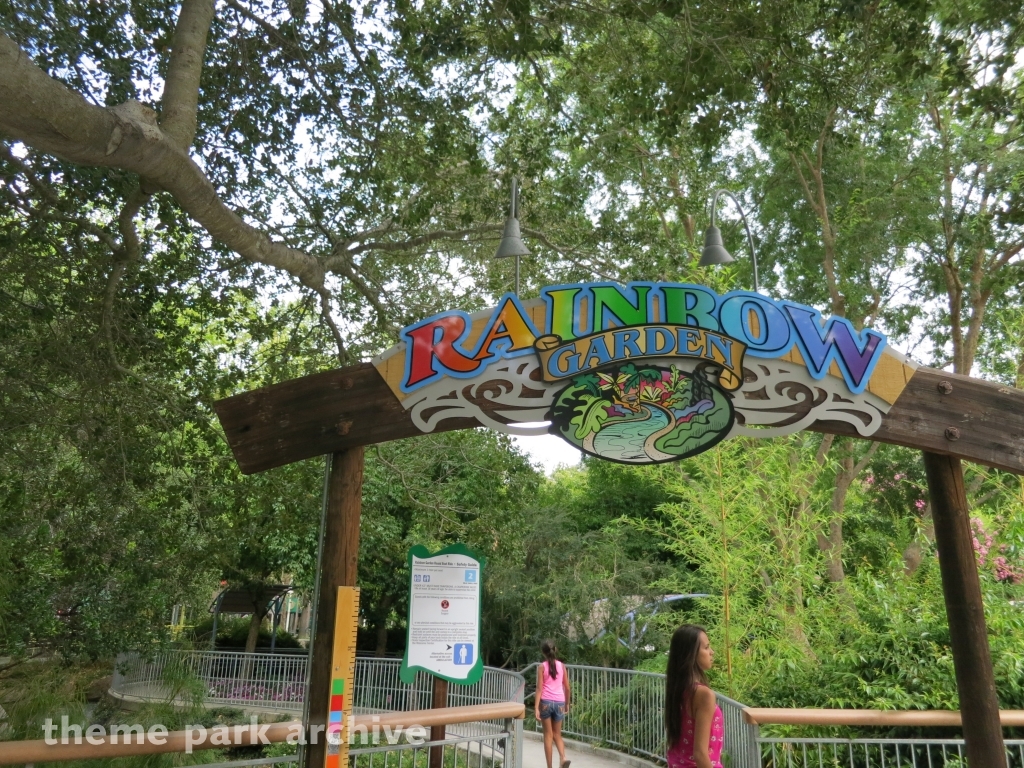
[(225, 678), (469, 752), (874, 753), (624, 708), (619, 708), (229, 678), (276, 682)]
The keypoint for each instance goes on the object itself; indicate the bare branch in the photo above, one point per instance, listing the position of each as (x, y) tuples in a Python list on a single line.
[(325, 313), (347, 30), (412, 242), (823, 449), (865, 459), (345, 268), (292, 47)]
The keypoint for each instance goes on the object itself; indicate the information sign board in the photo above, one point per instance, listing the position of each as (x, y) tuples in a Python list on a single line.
[(444, 614)]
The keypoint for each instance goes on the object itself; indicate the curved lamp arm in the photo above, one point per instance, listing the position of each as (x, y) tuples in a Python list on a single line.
[(750, 237)]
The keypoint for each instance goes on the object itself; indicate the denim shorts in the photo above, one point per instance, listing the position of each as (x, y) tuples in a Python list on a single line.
[(553, 709)]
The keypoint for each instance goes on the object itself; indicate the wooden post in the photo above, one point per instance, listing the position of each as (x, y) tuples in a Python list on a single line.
[(979, 705), (437, 731), (340, 567)]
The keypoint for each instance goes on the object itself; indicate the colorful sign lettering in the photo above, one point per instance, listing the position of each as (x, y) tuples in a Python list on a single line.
[(646, 372)]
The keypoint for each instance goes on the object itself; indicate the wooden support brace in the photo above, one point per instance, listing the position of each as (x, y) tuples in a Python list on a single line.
[(965, 611)]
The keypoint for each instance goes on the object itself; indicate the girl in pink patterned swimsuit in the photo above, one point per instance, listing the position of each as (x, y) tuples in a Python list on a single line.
[(693, 719)]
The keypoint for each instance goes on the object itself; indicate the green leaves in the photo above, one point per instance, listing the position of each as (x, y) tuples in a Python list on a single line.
[(591, 413)]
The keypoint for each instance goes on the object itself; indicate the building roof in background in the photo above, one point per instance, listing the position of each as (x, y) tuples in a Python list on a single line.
[(248, 600)]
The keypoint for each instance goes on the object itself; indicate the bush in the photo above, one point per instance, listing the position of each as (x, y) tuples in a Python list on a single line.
[(233, 632)]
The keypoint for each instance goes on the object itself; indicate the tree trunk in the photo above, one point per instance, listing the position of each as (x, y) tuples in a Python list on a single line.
[(831, 543), (254, 632), (382, 627), (914, 554)]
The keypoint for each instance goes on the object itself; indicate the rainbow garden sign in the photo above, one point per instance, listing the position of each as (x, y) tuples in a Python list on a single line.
[(644, 373)]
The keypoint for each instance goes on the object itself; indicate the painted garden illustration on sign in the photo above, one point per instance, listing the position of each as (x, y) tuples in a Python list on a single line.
[(642, 415)]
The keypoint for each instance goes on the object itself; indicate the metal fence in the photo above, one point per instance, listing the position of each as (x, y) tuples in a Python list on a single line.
[(874, 753), (619, 708), (467, 752), (470, 752), (225, 678), (623, 708), (277, 682)]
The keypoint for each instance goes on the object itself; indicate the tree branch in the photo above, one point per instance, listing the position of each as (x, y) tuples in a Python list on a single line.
[(289, 45), (44, 114), (412, 242), (128, 252), (181, 87), (53, 199), (325, 313), (865, 459)]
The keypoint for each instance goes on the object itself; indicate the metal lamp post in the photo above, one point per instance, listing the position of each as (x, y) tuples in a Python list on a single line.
[(714, 251)]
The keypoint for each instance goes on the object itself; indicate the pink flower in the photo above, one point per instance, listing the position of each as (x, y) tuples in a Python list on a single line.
[(920, 504)]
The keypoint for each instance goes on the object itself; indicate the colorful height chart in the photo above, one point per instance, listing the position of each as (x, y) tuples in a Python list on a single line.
[(343, 669)]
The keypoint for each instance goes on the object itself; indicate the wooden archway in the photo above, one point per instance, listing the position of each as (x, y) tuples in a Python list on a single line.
[(947, 416)]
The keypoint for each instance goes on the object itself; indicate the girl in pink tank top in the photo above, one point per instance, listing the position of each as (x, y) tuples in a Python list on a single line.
[(552, 701), (693, 719)]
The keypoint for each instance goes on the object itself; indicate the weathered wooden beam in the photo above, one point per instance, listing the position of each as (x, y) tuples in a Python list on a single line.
[(954, 415), (938, 412), (965, 612), (315, 415), (339, 568)]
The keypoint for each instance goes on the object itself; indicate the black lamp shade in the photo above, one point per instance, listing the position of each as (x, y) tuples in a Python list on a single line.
[(714, 251), (511, 241)]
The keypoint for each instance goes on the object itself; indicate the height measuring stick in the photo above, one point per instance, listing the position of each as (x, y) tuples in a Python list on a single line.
[(343, 669)]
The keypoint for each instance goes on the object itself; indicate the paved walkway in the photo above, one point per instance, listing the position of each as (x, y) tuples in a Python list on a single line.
[(581, 755)]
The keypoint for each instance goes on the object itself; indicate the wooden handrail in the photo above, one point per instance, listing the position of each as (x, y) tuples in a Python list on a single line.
[(924, 717), (12, 752)]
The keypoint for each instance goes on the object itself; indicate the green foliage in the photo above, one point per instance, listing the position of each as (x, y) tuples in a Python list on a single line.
[(468, 487), (878, 147), (233, 632)]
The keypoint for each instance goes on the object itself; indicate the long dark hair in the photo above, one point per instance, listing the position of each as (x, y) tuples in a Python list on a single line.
[(550, 653), (681, 677)]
